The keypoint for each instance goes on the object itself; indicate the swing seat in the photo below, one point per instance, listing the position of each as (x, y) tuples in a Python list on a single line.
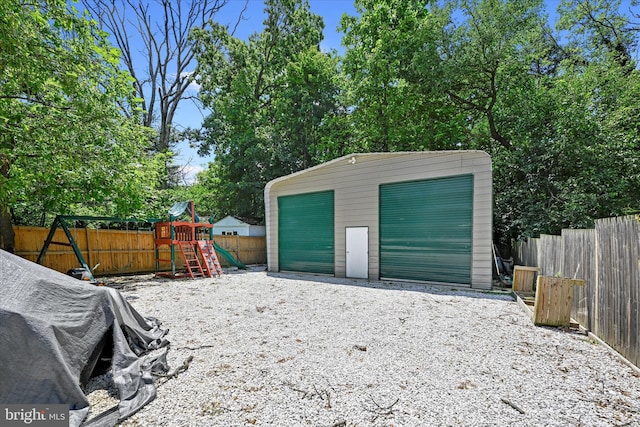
[(80, 274)]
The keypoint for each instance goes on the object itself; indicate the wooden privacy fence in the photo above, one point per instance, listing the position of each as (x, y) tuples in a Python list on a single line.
[(119, 251), (607, 258)]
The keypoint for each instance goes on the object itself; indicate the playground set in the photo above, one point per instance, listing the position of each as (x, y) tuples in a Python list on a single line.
[(194, 240), (183, 235)]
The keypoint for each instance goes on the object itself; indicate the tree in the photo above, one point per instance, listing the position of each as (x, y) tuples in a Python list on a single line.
[(63, 139), (597, 29), (153, 39), (487, 58), (389, 57), (309, 96), (268, 97), (576, 159)]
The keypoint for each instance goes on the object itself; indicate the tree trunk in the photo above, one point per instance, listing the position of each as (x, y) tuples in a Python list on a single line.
[(7, 235)]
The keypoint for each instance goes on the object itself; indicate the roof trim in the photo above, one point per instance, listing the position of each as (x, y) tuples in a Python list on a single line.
[(271, 183)]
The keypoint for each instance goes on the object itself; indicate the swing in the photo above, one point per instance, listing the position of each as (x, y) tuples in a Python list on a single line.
[(120, 249), (112, 262), (102, 224), (130, 246), (128, 237), (79, 273), (98, 248)]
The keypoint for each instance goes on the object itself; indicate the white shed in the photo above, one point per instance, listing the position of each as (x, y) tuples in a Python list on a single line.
[(414, 216), (232, 226)]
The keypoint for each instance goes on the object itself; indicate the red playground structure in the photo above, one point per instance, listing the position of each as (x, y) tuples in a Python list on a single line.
[(194, 240)]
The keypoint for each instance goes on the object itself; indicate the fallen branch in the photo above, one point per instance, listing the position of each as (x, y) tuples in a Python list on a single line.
[(323, 394), (178, 370), (294, 388), (513, 405), (201, 347), (382, 410), (326, 394)]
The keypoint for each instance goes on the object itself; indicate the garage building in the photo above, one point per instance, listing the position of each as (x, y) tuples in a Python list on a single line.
[(414, 216)]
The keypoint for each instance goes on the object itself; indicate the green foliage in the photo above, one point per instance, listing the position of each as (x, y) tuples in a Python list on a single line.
[(389, 65), (269, 97), (308, 96), (63, 139), (598, 31), (580, 162)]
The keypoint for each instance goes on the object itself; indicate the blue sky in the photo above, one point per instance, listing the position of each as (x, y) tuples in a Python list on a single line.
[(330, 10)]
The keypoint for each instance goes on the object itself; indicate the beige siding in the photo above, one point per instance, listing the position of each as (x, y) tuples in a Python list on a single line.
[(356, 188)]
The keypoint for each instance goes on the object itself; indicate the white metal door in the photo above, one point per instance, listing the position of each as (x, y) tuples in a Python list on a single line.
[(357, 243)]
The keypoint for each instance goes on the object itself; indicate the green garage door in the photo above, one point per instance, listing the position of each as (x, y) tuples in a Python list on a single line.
[(306, 232), (426, 230)]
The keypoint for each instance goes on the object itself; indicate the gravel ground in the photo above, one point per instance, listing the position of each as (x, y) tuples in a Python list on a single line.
[(296, 350)]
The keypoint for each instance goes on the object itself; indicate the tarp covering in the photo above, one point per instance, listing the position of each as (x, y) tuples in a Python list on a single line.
[(54, 330), (181, 207)]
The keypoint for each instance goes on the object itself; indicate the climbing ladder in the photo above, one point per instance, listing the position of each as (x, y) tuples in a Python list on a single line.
[(191, 260), (211, 262)]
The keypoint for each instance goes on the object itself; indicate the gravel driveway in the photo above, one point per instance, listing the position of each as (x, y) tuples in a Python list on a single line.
[(296, 350)]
